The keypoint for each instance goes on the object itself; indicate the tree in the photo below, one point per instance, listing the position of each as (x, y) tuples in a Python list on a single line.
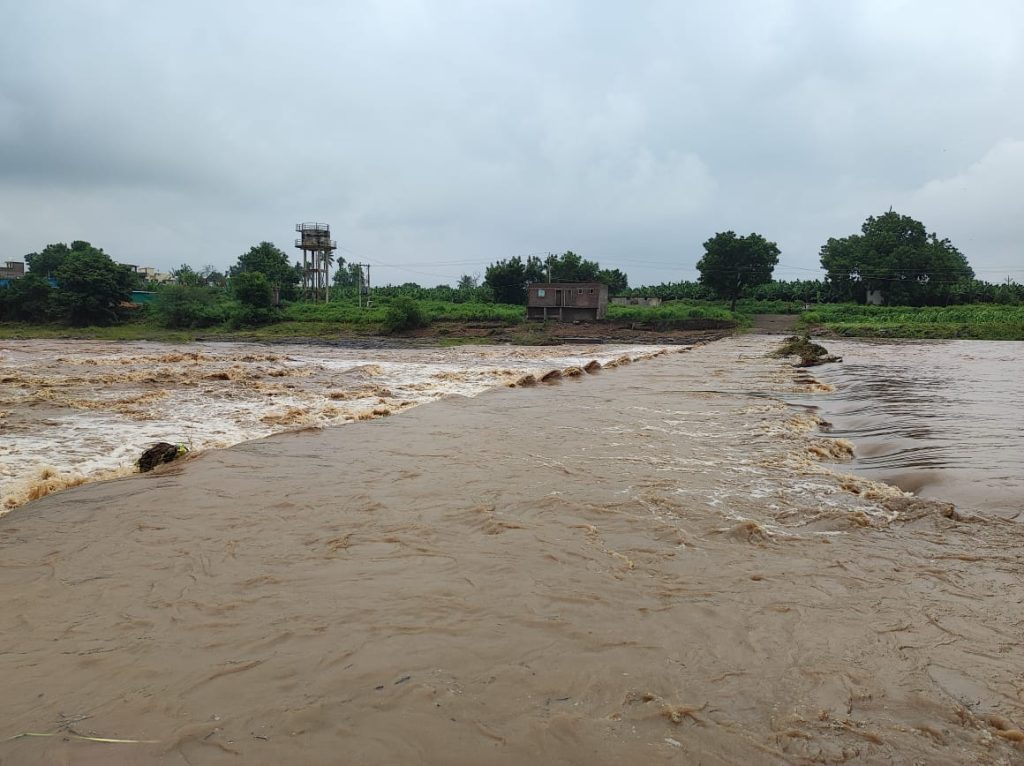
[(508, 279), (348, 274), (212, 278), (616, 280), (270, 261), (404, 314), (570, 267), (185, 275), (731, 264), (91, 287), (46, 262), (27, 299), (896, 256), (182, 306), (252, 289), (468, 282)]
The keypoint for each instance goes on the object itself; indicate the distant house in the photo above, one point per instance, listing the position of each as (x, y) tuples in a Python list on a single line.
[(12, 270), (567, 301), (150, 274)]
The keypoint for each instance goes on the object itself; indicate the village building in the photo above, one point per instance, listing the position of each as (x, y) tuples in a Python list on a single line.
[(150, 274), (12, 270), (567, 301)]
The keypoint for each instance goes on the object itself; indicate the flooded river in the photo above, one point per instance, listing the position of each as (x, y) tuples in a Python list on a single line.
[(942, 419), (662, 561), (78, 411)]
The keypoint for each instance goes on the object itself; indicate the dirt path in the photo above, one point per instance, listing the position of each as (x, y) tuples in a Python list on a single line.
[(775, 324)]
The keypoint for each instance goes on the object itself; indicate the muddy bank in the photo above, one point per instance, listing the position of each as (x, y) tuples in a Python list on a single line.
[(649, 564)]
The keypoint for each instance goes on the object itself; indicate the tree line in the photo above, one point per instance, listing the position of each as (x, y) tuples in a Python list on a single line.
[(893, 260)]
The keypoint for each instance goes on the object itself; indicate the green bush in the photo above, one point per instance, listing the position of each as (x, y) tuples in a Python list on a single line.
[(252, 316), (252, 289), (404, 314), (180, 307), (28, 299), (668, 312), (348, 311)]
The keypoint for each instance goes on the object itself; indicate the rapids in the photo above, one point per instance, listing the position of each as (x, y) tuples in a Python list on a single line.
[(79, 411), (659, 562), (942, 419)]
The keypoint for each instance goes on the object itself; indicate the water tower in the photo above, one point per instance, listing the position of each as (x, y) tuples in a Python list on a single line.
[(317, 255)]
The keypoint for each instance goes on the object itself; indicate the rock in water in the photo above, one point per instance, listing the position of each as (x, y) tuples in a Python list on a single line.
[(160, 453)]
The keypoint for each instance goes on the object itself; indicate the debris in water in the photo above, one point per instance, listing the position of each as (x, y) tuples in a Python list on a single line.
[(161, 452), (810, 353)]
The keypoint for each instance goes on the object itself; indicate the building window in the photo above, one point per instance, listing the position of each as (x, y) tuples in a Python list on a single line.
[(591, 291), (540, 293), (579, 291)]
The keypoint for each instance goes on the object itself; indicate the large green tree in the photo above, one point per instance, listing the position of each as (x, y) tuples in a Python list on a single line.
[(347, 274), (27, 299), (270, 261), (731, 263), (508, 279), (46, 262), (896, 256), (91, 287)]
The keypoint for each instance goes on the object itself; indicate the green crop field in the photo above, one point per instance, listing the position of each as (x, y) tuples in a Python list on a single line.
[(977, 321)]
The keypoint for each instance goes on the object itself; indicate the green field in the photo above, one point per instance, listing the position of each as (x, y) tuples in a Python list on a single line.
[(978, 321), (348, 312)]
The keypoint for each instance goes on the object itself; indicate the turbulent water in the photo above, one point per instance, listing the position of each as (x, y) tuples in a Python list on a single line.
[(660, 562), (943, 419), (82, 410)]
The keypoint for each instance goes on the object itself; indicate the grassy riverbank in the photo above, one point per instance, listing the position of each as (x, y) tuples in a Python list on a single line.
[(444, 322), (977, 322), (440, 321)]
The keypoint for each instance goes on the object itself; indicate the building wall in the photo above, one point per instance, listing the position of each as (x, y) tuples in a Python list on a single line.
[(567, 301), (12, 270)]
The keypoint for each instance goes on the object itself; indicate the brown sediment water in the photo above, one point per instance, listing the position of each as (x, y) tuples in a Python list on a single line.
[(78, 411), (942, 419), (648, 565)]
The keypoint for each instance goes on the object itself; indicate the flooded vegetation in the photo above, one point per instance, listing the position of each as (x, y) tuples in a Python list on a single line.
[(659, 561)]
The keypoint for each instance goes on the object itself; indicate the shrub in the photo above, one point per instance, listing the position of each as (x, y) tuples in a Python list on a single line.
[(180, 307), (252, 289), (404, 314), (28, 299)]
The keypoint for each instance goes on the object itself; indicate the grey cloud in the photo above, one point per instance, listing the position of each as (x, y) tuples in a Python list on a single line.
[(444, 135)]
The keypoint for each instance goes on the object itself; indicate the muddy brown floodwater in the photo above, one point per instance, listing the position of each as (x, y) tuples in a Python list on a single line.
[(941, 419), (650, 564)]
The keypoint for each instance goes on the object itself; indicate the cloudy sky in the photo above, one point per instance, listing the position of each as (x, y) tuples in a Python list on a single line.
[(436, 137)]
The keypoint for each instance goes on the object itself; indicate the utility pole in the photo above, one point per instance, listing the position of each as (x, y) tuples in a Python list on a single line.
[(364, 283)]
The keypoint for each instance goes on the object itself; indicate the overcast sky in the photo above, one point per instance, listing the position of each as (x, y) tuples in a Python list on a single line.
[(437, 137)]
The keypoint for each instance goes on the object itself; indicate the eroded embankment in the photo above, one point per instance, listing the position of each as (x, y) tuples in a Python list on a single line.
[(648, 566)]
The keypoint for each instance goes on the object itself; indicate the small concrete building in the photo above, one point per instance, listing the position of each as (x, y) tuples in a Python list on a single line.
[(567, 301), (12, 270)]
